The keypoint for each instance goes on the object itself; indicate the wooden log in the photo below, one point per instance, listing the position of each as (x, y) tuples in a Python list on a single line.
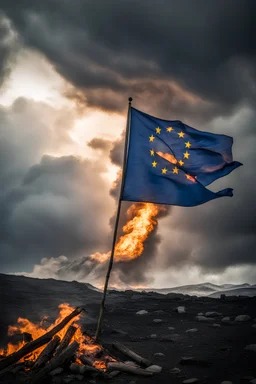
[(122, 367), (56, 361), (86, 360), (16, 356), (66, 339), (47, 353), (132, 355)]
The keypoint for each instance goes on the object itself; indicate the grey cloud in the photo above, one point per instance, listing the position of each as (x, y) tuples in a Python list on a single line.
[(221, 233), (49, 206), (108, 50), (8, 48)]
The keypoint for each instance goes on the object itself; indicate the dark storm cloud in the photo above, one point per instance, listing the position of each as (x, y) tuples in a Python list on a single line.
[(49, 206), (221, 233), (111, 49), (8, 47)]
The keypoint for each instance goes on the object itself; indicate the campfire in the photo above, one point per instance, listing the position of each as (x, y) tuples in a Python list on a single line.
[(64, 348)]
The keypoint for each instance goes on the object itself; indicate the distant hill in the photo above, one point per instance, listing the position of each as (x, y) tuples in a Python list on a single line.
[(209, 289)]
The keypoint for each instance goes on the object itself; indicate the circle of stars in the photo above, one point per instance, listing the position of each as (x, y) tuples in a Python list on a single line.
[(181, 162)]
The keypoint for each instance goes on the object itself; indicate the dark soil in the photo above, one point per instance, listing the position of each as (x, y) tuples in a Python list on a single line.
[(219, 352)]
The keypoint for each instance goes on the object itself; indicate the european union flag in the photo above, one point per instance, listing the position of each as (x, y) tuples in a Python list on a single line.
[(171, 163)]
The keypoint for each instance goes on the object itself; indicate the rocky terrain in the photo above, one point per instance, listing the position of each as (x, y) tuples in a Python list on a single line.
[(194, 339)]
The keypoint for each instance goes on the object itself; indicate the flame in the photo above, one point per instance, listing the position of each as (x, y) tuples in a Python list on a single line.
[(36, 330), (169, 157), (87, 345), (131, 245)]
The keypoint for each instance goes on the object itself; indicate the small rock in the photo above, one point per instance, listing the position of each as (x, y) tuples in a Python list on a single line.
[(190, 381), (79, 377), (56, 371), (204, 319), (166, 338), (192, 330), (153, 336), (172, 328), (159, 354), (251, 347), (157, 321), (212, 314), (225, 320), (243, 318), (154, 368), (215, 325), (175, 371), (226, 382), (200, 314), (142, 312), (181, 309)]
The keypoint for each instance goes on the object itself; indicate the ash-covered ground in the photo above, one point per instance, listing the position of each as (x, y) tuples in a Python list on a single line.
[(217, 346)]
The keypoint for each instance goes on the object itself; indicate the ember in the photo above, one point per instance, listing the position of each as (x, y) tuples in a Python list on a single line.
[(63, 344)]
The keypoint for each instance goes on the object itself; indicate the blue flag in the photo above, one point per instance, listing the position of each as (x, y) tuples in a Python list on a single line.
[(171, 163)]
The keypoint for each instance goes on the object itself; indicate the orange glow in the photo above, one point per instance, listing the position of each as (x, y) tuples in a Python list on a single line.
[(87, 345), (36, 330), (131, 245), (168, 157)]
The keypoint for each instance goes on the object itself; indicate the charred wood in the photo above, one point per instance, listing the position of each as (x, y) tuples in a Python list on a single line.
[(56, 362), (66, 339), (47, 353), (122, 367), (132, 355), (16, 356)]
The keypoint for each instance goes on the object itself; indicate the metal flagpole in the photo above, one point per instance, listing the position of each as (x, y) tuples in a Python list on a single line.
[(98, 331)]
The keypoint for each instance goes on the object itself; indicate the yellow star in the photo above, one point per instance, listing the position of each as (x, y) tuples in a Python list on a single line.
[(187, 144), (181, 134), (169, 129), (151, 138), (158, 130), (175, 170), (186, 155), (164, 170), (154, 164), (152, 152), (181, 163)]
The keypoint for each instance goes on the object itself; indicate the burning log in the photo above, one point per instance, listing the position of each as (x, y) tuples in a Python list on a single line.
[(128, 369), (14, 368), (132, 355), (66, 339), (47, 353), (56, 361), (16, 356), (85, 360)]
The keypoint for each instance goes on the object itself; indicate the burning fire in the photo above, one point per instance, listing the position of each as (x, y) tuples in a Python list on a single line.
[(131, 245), (87, 345)]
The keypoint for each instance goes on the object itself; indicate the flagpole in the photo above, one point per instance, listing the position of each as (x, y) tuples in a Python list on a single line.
[(98, 331)]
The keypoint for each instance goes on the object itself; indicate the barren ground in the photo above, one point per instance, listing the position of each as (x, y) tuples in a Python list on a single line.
[(221, 347)]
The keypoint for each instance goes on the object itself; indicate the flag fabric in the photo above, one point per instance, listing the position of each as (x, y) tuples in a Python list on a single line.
[(169, 162)]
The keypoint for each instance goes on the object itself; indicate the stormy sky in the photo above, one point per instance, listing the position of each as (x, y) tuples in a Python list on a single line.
[(66, 71)]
